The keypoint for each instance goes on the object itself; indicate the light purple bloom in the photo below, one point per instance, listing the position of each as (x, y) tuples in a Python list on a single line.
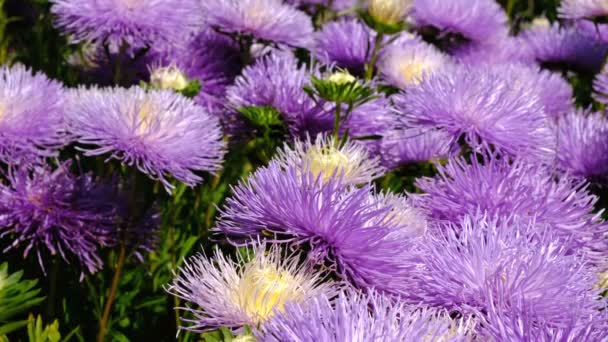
[(339, 223), (530, 191), (357, 317), (468, 264), (347, 43), (578, 9), (247, 291), (159, 132), (405, 146), (138, 23), (271, 20), (500, 51), (56, 211), (485, 107), (600, 86), (474, 21), (31, 115), (583, 144)]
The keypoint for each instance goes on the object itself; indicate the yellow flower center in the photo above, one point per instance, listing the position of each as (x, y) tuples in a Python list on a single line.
[(327, 161), (342, 78), (262, 290), (144, 117), (412, 72)]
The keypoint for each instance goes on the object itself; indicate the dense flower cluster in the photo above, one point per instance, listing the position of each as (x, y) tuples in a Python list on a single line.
[(380, 170)]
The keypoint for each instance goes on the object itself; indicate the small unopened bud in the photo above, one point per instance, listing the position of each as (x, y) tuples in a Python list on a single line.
[(341, 77), (168, 78), (389, 12), (244, 338)]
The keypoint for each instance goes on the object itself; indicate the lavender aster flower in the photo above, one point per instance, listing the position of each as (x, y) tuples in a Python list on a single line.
[(413, 145), (474, 21), (346, 42), (578, 9), (160, 132), (483, 106), (56, 211), (405, 65), (368, 246), (325, 160), (357, 317), (134, 22), (470, 263), (502, 188), (500, 51), (31, 115), (600, 86), (271, 20), (245, 292), (583, 144)]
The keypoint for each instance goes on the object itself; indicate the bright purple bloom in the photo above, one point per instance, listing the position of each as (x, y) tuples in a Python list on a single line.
[(485, 107), (138, 23), (343, 224), (554, 47), (347, 43), (474, 21), (583, 144), (468, 264), (414, 145), (357, 317), (502, 188), (500, 51), (271, 20), (578, 9), (31, 115), (600, 86), (160, 132), (59, 212)]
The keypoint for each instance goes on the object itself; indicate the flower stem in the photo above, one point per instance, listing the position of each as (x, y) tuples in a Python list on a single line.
[(50, 309), (337, 118), (369, 70), (112, 295)]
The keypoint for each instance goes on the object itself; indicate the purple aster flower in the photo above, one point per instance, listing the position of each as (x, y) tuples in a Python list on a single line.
[(405, 65), (160, 132), (271, 20), (485, 107), (469, 263), (500, 51), (367, 244), (583, 144), (346, 42), (474, 21), (600, 86), (31, 115), (578, 9), (244, 292), (277, 81), (555, 46), (415, 145), (132, 22), (502, 188), (357, 317), (56, 211)]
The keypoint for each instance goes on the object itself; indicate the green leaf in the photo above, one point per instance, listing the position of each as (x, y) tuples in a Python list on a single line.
[(263, 117), (10, 327)]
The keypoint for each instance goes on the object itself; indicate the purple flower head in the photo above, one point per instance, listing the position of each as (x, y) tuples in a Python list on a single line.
[(367, 242), (357, 317), (324, 159), (269, 20), (54, 210), (600, 86), (134, 22), (474, 21), (139, 235), (405, 65), (484, 106), (500, 51), (277, 81), (346, 42), (31, 115), (414, 145), (578, 9), (247, 291), (583, 144), (554, 46), (160, 132), (501, 188), (469, 263)]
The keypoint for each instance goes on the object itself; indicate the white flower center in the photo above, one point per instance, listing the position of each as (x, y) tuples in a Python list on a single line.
[(327, 161), (168, 78), (412, 71), (342, 78)]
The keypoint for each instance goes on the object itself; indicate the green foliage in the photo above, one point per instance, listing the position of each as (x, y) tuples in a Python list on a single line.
[(380, 26), (352, 93), (16, 297), (37, 333)]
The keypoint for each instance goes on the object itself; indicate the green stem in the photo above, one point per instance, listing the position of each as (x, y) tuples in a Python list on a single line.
[(210, 206), (336, 131), (369, 71), (122, 256), (118, 66), (50, 309), (510, 7)]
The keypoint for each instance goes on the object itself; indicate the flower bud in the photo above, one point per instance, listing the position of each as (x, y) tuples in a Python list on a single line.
[(168, 78)]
